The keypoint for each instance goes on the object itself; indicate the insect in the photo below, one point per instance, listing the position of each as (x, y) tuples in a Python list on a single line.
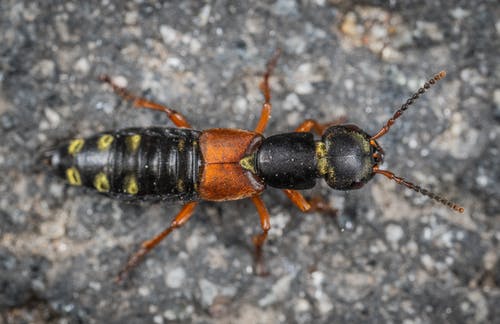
[(225, 164)]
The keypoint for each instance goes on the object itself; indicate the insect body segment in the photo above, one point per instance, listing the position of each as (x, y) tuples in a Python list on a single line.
[(349, 157), (222, 177), (136, 163), (287, 161)]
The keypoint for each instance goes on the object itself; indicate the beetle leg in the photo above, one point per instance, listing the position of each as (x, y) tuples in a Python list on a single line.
[(146, 246), (309, 124), (259, 239), (266, 91), (139, 102), (315, 204)]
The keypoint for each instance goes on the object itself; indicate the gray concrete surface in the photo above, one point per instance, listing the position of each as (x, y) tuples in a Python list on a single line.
[(405, 260)]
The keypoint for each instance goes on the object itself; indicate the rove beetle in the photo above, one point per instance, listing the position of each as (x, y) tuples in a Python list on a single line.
[(221, 164)]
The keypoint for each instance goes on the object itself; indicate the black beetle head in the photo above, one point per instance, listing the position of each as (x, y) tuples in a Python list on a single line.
[(348, 158)]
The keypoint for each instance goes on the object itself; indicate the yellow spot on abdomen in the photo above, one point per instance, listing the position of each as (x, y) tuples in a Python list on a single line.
[(180, 185), (101, 182), (180, 145), (130, 185), (104, 142), (75, 146), (73, 176), (133, 142)]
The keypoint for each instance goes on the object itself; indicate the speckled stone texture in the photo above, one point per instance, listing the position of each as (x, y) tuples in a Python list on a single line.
[(402, 259)]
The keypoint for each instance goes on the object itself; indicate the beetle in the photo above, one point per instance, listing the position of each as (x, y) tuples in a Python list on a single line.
[(221, 164)]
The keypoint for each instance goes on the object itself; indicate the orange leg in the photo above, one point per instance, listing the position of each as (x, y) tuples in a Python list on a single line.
[(138, 102), (259, 239), (309, 124), (315, 204), (146, 246), (266, 91)]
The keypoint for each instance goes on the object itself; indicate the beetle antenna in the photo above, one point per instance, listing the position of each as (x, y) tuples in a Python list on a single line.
[(408, 102), (419, 189)]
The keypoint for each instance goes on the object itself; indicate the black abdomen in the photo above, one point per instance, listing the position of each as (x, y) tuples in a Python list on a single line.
[(144, 163)]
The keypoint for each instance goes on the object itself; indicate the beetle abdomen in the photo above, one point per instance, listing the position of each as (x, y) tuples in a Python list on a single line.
[(144, 163)]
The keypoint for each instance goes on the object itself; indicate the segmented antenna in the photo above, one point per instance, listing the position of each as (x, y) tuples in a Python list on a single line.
[(416, 188), (264, 86), (408, 102)]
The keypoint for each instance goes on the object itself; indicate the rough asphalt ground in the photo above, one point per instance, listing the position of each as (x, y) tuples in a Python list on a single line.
[(405, 260)]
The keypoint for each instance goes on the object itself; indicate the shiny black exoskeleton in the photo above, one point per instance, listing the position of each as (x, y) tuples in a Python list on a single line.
[(351, 156), (134, 163), (344, 157), (164, 163)]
